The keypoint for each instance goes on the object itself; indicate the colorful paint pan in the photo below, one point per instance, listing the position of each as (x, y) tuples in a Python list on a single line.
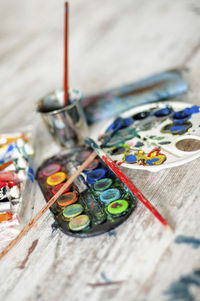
[(56, 188), (51, 169), (118, 207), (88, 215), (72, 211), (102, 184), (177, 128), (95, 175), (79, 223), (110, 195), (94, 164), (56, 178), (67, 199)]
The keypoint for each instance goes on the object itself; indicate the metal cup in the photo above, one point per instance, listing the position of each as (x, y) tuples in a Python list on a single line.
[(67, 124)]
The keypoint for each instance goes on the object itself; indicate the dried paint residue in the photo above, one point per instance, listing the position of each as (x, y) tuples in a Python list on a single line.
[(180, 289), (181, 239), (30, 250)]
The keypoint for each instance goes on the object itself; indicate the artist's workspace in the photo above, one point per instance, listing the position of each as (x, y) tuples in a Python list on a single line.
[(99, 150)]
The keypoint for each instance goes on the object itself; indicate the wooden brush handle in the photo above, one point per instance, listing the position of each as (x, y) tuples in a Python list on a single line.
[(49, 204)]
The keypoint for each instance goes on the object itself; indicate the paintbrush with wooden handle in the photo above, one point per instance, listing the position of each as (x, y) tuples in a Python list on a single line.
[(49, 204)]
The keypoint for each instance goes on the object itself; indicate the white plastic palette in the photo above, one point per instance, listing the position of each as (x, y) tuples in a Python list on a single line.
[(154, 148)]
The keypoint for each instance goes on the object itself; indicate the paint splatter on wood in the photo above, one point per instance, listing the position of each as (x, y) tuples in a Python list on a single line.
[(30, 250), (181, 239), (106, 281), (180, 290)]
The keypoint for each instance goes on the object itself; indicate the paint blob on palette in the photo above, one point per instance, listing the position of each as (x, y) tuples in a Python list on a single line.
[(154, 136), (95, 203)]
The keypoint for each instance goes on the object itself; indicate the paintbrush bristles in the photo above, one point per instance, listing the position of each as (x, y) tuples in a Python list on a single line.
[(49, 204), (66, 67)]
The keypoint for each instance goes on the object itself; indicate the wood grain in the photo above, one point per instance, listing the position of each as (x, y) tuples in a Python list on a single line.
[(110, 43)]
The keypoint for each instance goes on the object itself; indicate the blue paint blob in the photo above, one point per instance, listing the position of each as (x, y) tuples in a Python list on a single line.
[(10, 148), (116, 125), (31, 174), (176, 128), (110, 195), (112, 233), (31, 171), (105, 278), (31, 178), (95, 175), (119, 123), (180, 290), (186, 113), (151, 161), (127, 122), (181, 239), (163, 112), (181, 115), (192, 110), (131, 159)]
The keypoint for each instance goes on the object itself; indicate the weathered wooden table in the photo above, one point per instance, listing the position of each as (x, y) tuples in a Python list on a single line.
[(111, 43)]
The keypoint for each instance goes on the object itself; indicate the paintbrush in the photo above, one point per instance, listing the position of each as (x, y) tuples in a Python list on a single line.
[(66, 55), (126, 181), (49, 204)]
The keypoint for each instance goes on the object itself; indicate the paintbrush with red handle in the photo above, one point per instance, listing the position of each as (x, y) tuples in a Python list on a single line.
[(126, 181), (66, 67)]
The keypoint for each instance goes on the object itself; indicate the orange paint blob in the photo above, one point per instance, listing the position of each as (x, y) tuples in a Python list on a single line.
[(5, 216)]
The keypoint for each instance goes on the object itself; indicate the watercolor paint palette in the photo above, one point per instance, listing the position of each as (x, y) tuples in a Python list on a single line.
[(154, 136), (96, 202)]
